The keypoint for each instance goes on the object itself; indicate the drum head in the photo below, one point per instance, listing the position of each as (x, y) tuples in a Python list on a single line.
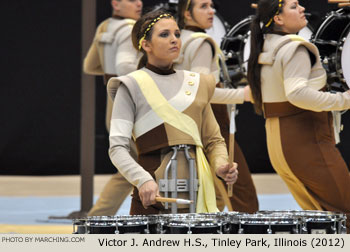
[(306, 33), (236, 47), (329, 38), (218, 30), (345, 58)]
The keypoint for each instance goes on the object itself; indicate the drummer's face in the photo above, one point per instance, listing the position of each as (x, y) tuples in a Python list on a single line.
[(202, 14), (128, 8), (164, 45), (292, 19)]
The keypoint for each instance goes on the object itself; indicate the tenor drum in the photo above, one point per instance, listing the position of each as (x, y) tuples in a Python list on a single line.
[(330, 38)]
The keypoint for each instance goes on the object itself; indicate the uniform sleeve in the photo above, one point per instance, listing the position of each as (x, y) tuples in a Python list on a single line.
[(201, 62), (213, 143), (92, 64), (228, 96), (127, 56), (296, 76), (119, 140)]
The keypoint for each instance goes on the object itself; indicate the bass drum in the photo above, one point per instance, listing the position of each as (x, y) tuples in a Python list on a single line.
[(344, 52), (219, 29), (236, 47), (330, 38)]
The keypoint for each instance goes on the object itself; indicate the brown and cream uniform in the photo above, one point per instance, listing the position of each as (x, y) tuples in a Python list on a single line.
[(299, 128), (112, 54), (185, 91), (200, 53)]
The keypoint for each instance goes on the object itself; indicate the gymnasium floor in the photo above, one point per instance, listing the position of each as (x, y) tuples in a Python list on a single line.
[(26, 202)]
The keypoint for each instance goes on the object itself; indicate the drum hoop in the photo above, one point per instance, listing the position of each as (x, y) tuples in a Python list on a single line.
[(329, 16), (240, 24)]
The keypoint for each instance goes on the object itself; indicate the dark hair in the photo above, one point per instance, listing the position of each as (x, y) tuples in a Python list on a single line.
[(267, 9), (181, 8), (139, 30)]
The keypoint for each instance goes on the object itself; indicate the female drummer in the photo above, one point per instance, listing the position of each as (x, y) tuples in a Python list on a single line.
[(201, 54), (161, 108), (288, 82)]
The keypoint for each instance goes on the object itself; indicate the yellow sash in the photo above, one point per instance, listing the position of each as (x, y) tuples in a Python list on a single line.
[(206, 199)]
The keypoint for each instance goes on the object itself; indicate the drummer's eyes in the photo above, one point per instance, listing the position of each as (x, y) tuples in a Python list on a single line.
[(166, 34), (205, 6)]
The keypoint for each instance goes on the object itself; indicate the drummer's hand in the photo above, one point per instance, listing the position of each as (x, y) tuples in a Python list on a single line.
[(148, 192), (247, 94), (228, 173)]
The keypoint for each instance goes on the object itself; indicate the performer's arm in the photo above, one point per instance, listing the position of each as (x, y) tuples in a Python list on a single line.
[(120, 134), (126, 60), (299, 93)]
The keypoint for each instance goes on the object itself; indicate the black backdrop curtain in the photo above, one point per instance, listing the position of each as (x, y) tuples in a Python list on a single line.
[(40, 89)]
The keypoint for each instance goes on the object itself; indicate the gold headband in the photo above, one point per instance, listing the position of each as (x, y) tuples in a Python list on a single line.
[(150, 27), (277, 12), (188, 4)]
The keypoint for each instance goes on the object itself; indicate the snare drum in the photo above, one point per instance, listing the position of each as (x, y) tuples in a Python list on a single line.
[(191, 224), (101, 225), (269, 224), (330, 38), (132, 224), (315, 222), (323, 222)]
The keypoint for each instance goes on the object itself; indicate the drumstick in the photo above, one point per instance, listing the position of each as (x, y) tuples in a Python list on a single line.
[(174, 200), (231, 145), (341, 5), (254, 5)]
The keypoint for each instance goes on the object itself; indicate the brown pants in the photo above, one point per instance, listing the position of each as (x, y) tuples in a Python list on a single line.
[(244, 198), (302, 151), (117, 188), (112, 196)]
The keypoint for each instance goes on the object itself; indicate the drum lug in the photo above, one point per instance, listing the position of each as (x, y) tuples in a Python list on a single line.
[(304, 230), (334, 230), (342, 229), (269, 230), (295, 231)]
